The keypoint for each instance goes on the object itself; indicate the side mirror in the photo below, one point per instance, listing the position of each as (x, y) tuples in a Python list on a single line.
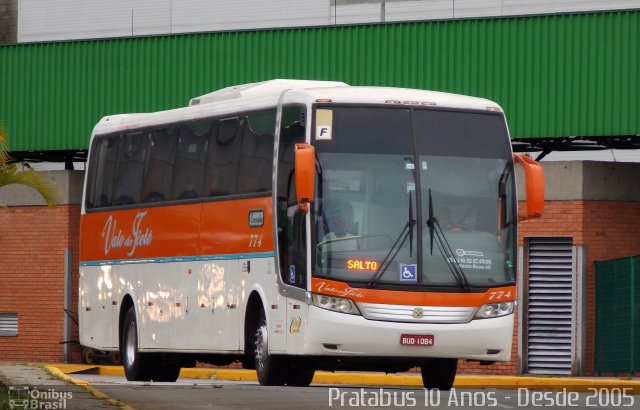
[(534, 182), (305, 174)]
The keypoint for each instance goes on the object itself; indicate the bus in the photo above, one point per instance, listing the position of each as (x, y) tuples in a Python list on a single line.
[(296, 226)]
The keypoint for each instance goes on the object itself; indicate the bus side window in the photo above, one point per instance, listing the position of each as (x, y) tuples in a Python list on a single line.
[(223, 158), (291, 221), (159, 169), (130, 169), (256, 158), (104, 157), (191, 155)]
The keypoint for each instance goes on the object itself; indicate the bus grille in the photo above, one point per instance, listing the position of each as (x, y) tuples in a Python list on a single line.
[(416, 314)]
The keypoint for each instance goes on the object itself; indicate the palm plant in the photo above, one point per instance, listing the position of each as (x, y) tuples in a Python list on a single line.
[(16, 172)]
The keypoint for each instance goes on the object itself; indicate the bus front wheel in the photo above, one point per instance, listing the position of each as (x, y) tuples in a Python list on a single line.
[(439, 373), (271, 370)]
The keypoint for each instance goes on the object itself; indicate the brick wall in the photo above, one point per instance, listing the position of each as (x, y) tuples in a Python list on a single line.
[(32, 250)]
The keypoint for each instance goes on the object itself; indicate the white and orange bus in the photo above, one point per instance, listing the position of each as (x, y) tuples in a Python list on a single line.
[(303, 225)]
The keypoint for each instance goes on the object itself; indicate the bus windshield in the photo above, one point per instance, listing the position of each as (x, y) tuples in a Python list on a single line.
[(413, 197)]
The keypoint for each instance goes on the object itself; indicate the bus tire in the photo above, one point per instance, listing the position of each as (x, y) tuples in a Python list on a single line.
[(271, 370), (299, 376), (164, 372), (137, 366), (439, 373)]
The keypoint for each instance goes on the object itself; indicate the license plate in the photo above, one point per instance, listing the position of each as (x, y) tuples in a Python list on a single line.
[(417, 340)]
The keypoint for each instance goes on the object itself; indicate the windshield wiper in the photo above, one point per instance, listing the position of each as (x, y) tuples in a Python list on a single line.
[(411, 223), (444, 247), (406, 231), (430, 222), (410, 166)]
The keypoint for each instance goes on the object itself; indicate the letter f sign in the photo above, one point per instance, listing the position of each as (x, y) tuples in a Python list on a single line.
[(323, 132)]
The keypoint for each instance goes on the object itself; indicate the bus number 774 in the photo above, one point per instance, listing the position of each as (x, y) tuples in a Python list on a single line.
[(500, 295), (255, 240)]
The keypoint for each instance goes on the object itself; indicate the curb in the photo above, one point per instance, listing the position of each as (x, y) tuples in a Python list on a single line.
[(56, 372), (394, 380)]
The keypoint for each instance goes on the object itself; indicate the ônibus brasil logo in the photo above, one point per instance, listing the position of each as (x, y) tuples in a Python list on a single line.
[(24, 397)]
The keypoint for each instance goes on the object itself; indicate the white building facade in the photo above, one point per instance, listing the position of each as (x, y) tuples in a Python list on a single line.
[(54, 20)]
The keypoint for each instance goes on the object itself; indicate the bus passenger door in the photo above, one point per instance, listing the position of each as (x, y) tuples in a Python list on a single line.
[(292, 229)]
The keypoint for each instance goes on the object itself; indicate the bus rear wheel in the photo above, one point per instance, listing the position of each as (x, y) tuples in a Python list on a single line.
[(299, 376), (137, 366), (439, 373), (271, 370)]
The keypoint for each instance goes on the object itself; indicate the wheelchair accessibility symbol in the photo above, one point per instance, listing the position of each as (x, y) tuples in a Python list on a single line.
[(408, 273)]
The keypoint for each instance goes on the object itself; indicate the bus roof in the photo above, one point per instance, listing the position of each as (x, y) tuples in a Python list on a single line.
[(266, 94), (343, 93), (270, 87)]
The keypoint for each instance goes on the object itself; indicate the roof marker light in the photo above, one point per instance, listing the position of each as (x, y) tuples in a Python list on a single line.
[(323, 100), (393, 102), (494, 109), (429, 103)]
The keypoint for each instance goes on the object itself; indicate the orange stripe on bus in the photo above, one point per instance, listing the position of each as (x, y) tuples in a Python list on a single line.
[(210, 228), (336, 288)]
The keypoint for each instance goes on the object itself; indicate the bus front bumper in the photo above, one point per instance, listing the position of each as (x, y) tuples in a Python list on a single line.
[(338, 334)]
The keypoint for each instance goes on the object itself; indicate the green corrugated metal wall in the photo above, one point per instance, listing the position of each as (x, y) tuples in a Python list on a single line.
[(556, 75), (618, 316)]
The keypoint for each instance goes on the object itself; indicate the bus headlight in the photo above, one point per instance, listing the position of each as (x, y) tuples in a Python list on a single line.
[(495, 310), (336, 304)]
